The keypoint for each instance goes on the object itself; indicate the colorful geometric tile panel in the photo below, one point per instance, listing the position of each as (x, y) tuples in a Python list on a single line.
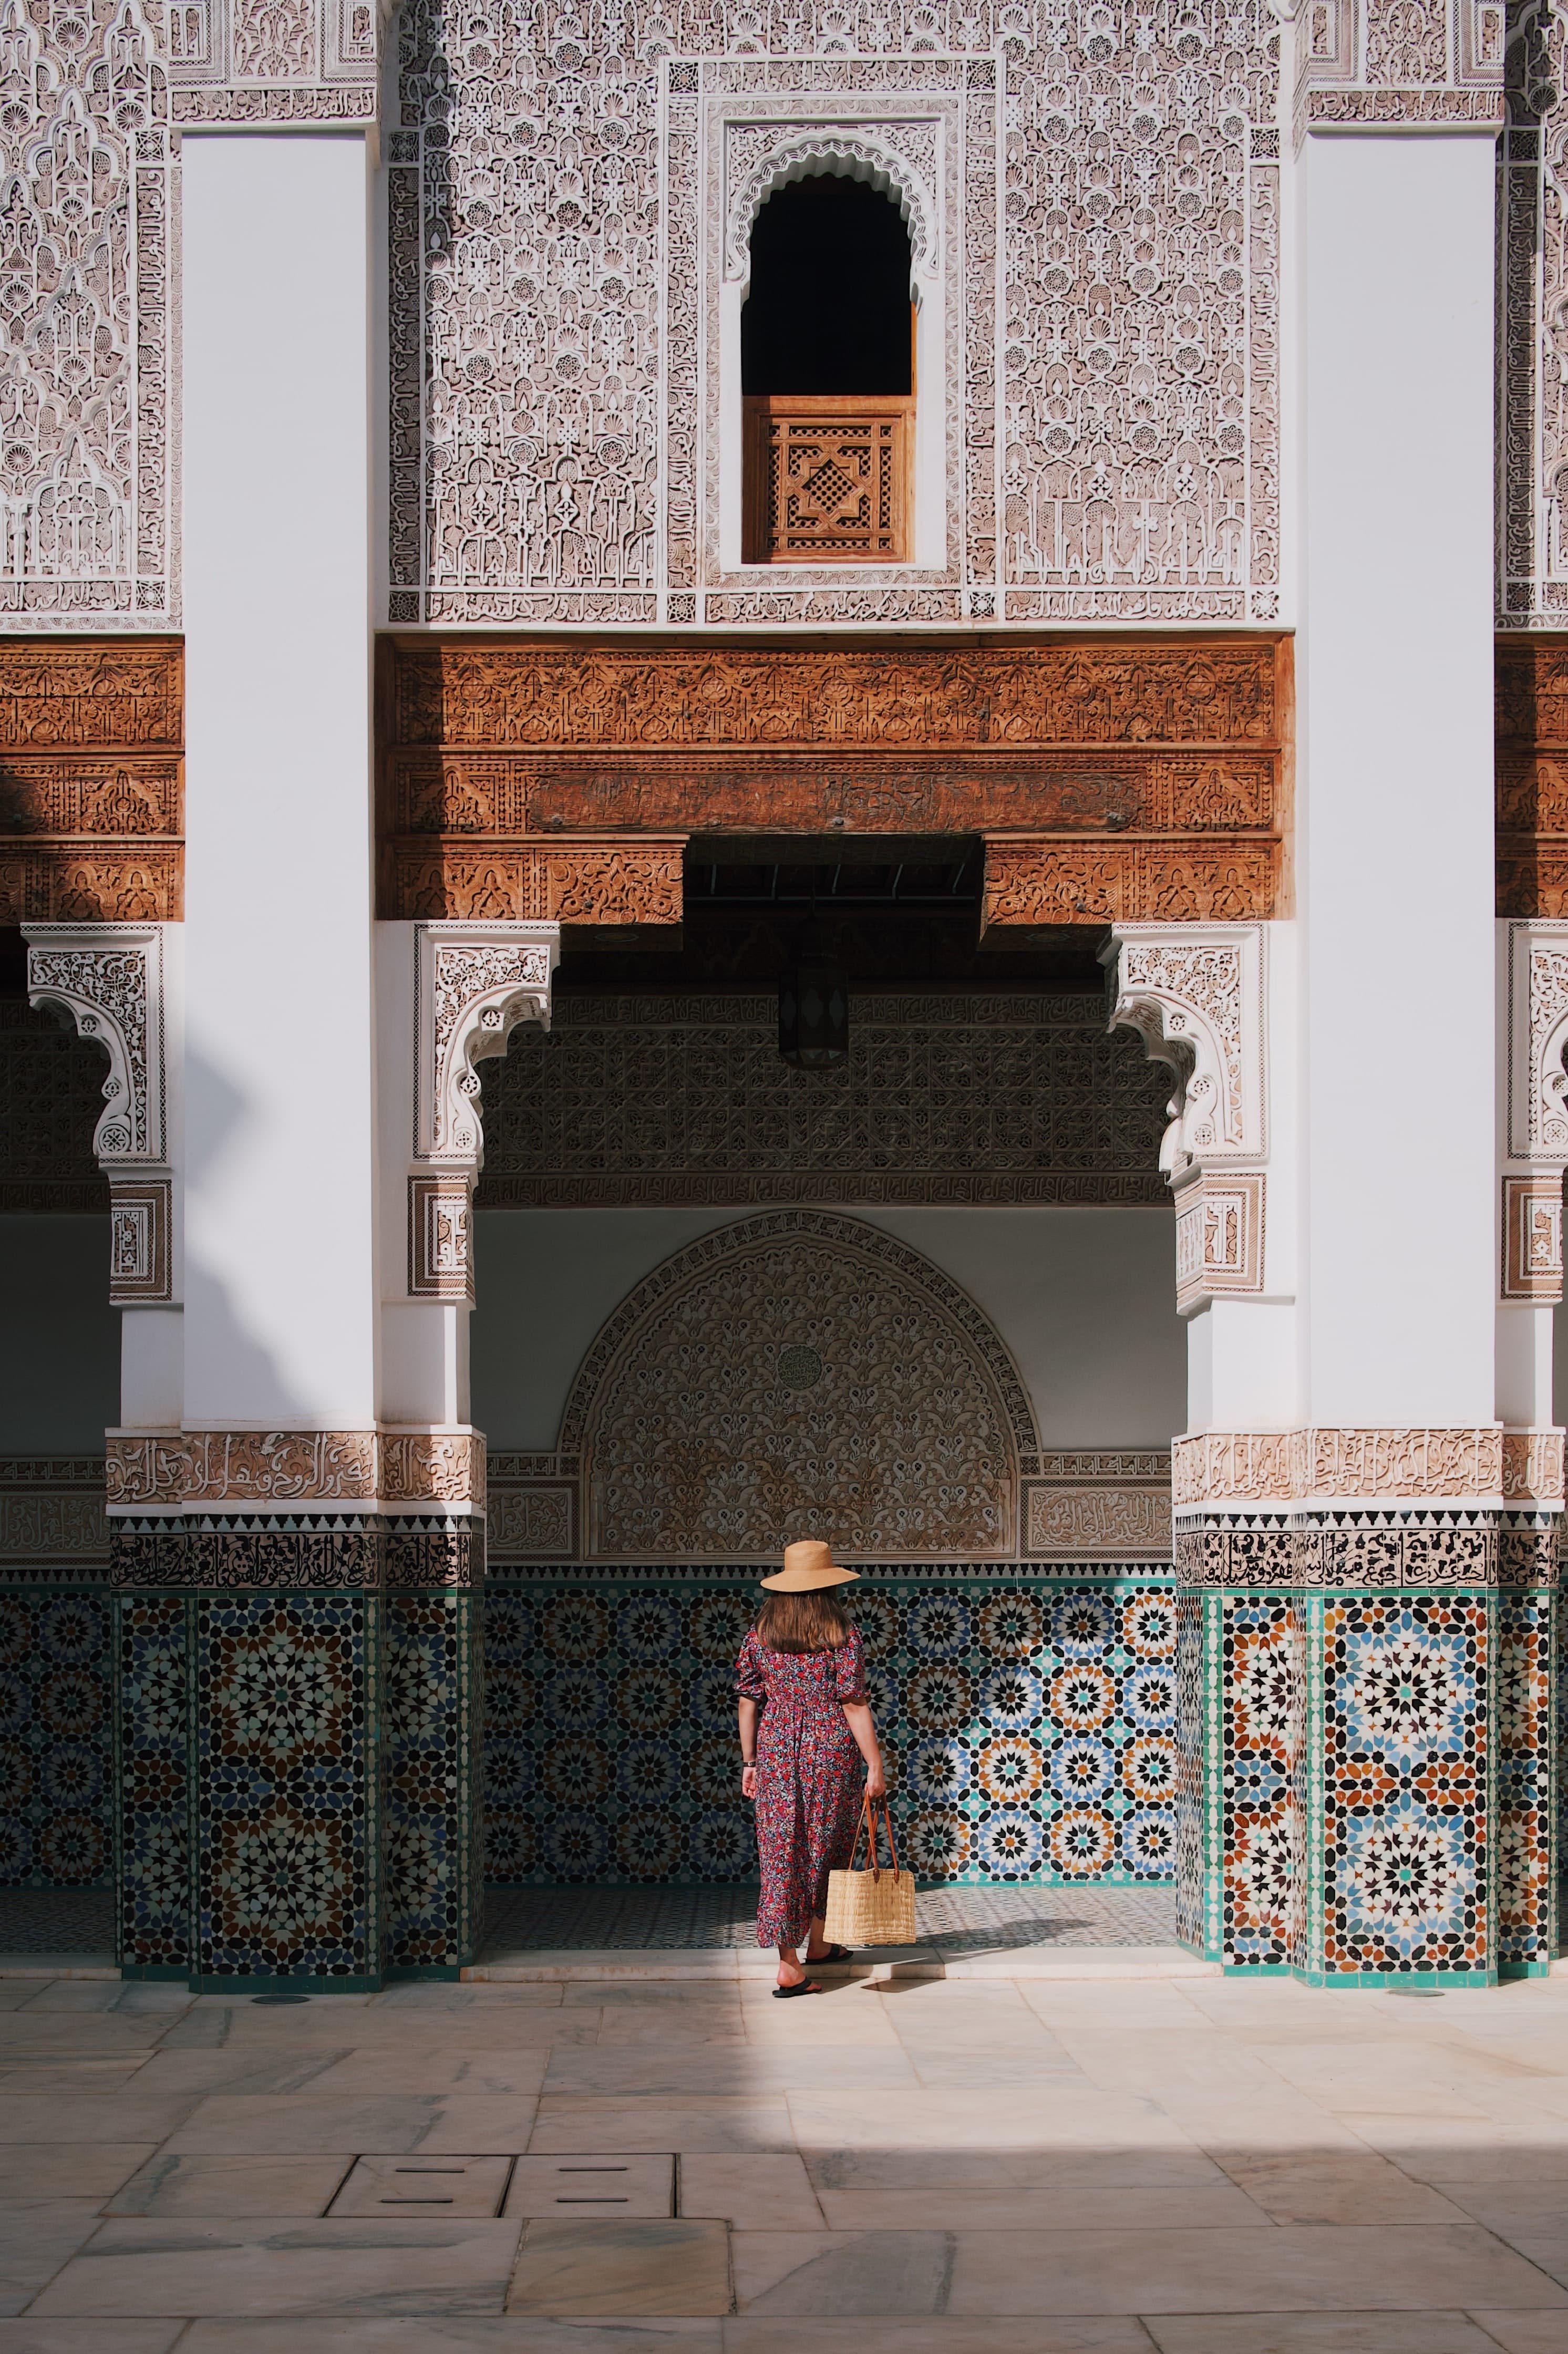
[(288, 1785), (1032, 1724), (431, 1819), (1526, 1932), (1197, 1839), (152, 1639), (1263, 1656), (1405, 1861), (56, 1802)]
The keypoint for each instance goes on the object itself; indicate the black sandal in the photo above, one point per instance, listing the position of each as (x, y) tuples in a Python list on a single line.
[(834, 1954), (788, 1994)]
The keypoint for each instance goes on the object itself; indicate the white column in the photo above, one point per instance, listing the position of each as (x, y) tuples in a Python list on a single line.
[(1394, 791), (281, 1327)]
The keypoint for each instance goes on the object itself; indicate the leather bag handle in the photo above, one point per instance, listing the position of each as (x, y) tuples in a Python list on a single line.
[(868, 1824)]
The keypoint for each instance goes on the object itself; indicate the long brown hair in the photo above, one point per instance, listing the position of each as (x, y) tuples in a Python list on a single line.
[(814, 1621)]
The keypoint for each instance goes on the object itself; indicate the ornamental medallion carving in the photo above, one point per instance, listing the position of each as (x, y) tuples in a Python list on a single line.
[(702, 1441)]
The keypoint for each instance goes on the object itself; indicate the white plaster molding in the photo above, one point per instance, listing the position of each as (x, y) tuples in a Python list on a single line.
[(845, 150), (1537, 1043), (109, 981), (1194, 993), (474, 983)]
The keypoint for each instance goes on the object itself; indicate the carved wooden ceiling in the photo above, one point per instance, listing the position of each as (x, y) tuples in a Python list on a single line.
[(1108, 776)]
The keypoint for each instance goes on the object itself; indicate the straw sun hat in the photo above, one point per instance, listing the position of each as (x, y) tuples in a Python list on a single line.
[(806, 1566)]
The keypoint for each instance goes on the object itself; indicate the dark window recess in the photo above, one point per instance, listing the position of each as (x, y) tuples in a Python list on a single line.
[(829, 309)]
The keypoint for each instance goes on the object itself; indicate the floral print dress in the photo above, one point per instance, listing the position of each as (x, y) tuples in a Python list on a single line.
[(811, 1778)]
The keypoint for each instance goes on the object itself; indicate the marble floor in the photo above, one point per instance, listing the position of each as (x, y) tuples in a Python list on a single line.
[(678, 2166)]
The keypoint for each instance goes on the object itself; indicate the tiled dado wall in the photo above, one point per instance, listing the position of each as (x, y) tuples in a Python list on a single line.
[(1374, 1795), (56, 1797), (1032, 1722)]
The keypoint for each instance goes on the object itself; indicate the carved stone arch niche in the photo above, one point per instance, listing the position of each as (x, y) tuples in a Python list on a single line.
[(799, 1374)]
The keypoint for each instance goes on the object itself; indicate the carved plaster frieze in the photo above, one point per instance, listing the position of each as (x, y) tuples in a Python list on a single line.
[(1222, 1469), (1403, 64), (52, 1525), (474, 983), (1109, 1524), (1532, 1468), (257, 64), (241, 1470), (1194, 993), (108, 979), (432, 1467)]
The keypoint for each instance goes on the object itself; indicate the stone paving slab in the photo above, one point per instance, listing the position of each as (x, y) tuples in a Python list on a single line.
[(915, 2166)]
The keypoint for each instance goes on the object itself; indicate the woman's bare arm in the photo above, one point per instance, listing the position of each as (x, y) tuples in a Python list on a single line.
[(747, 1714), (857, 1715)]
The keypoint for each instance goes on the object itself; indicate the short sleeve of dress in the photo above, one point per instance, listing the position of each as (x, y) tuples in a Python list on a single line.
[(748, 1677), (849, 1668)]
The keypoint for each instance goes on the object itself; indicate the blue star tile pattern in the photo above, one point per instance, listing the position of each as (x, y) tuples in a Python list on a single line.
[(1032, 1723), (56, 1808)]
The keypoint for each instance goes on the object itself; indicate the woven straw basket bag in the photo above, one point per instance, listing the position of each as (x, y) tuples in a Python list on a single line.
[(875, 1907)]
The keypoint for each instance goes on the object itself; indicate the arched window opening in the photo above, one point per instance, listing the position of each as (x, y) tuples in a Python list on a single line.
[(828, 376)]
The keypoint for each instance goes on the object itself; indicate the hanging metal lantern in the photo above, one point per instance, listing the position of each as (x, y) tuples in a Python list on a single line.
[(813, 1006)]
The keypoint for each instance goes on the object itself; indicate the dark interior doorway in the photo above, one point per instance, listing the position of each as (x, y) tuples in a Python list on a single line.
[(829, 311)]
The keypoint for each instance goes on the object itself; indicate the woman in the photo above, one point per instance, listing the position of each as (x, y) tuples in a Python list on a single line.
[(803, 1668)]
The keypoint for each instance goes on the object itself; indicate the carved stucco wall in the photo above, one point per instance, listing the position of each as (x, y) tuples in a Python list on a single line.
[(87, 195), (800, 1374), (556, 210), (1532, 167), (553, 212)]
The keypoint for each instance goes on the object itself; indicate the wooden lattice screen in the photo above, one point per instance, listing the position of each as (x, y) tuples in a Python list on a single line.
[(827, 480)]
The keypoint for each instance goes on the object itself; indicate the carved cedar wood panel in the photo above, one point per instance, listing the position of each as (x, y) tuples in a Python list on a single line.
[(1532, 777), (555, 233), (798, 1375), (90, 780), (1111, 778)]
